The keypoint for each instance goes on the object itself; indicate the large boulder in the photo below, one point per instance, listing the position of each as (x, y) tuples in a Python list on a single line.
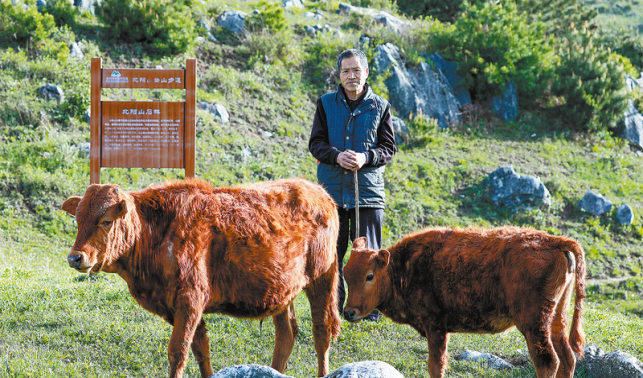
[(249, 371), (391, 22), (419, 90), (632, 124), (234, 21), (76, 52), (505, 107), (51, 91), (449, 69), (515, 192), (595, 203), (366, 369), (217, 110), (492, 361), (624, 214), (616, 364), (402, 132)]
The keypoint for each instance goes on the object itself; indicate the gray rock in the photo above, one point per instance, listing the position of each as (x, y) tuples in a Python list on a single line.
[(51, 91), (217, 110), (632, 123), (205, 25), (402, 132), (516, 192), (87, 5), (316, 15), (293, 4), (40, 4), (266, 134), (200, 40), (83, 148), (234, 21), (364, 42), (366, 369), (505, 107), (616, 364), (492, 361), (76, 52), (310, 30), (449, 69), (418, 90), (624, 214), (391, 22), (595, 203), (249, 371), (246, 152)]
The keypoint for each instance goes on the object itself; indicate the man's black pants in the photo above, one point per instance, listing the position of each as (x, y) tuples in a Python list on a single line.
[(370, 226)]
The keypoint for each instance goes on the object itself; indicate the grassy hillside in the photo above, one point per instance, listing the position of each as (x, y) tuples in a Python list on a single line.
[(57, 322)]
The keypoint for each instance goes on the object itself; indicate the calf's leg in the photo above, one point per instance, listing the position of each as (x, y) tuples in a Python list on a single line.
[(185, 325), (285, 332), (559, 337), (438, 356), (322, 296), (201, 350), (542, 353)]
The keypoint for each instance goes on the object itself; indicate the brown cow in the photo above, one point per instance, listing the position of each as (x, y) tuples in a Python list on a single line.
[(479, 281), (187, 248)]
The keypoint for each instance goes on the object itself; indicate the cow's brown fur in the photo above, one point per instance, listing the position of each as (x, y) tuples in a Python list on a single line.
[(443, 280), (186, 248)]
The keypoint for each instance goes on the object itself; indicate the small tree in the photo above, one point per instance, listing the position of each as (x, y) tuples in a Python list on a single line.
[(592, 82)]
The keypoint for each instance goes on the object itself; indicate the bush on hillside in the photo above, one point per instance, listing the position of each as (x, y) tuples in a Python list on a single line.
[(443, 10), (495, 44), (167, 26), (271, 48), (558, 15), (270, 17), (21, 23), (591, 82), (625, 42), (63, 11)]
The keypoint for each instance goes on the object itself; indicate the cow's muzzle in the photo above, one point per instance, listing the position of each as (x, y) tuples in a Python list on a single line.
[(75, 261), (351, 315)]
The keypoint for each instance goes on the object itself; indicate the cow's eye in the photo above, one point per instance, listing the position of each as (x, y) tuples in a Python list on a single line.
[(369, 277), (106, 223)]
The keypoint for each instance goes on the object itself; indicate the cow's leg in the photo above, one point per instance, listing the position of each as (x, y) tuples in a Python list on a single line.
[(559, 337), (438, 356), (201, 350), (284, 337), (542, 352), (185, 325), (322, 296)]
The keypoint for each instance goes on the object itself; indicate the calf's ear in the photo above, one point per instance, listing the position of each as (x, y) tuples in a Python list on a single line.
[(383, 257), (359, 243), (71, 204)]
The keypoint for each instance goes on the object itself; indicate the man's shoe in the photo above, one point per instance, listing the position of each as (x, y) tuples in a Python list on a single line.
[(373, 316)]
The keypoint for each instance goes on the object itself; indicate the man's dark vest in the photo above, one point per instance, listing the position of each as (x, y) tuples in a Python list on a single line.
[(357, 131)]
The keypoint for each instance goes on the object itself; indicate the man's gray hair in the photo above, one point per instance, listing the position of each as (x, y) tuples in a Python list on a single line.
[(363, 61)]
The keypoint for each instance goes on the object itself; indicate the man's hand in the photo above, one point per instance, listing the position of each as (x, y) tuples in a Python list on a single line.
[(351, 160)]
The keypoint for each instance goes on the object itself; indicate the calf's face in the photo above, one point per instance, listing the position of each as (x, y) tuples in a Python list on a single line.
[(365, 274), (100, 214)]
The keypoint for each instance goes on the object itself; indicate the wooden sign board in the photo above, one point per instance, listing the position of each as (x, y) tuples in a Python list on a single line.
[(142, 134)]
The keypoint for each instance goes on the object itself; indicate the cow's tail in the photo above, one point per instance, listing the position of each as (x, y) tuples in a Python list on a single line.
[(577, 335)]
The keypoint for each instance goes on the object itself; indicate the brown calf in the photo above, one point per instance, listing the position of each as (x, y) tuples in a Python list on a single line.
[(187, 248), (479, 281)]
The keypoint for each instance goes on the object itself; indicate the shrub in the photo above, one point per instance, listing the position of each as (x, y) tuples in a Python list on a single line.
[(165, 25), (21, 22), (443, 10), (558, 14), (63, 11), (270, 16), (625, 42), (271, 48), (592, 84), (495, 44)]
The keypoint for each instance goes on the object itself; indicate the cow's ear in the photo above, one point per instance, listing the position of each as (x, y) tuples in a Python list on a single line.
[(71, 204), (116, 211), (383, 257), (359, 243)]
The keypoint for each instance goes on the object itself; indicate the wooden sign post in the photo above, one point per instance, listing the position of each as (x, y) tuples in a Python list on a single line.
[(142, 134)]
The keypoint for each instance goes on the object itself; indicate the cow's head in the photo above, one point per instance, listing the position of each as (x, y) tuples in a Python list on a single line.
[(366, 276), (105, 227)]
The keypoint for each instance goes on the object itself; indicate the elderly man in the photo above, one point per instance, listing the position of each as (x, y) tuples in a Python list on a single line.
[(353, 131)]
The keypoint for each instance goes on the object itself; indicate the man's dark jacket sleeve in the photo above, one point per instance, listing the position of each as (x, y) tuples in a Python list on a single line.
[(321, 149)]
